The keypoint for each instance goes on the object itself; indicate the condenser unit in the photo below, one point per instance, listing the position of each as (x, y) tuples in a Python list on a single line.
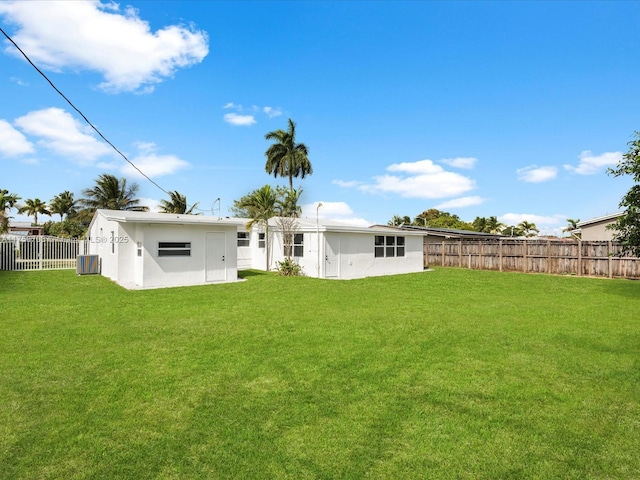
[(88, 265)]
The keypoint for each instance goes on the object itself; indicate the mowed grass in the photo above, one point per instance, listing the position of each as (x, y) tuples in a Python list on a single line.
[(444, 374)]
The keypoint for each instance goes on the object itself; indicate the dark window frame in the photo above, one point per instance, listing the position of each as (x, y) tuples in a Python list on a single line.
[(174, 249)]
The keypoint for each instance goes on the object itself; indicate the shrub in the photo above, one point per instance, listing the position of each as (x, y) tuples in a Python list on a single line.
[(289, 268)]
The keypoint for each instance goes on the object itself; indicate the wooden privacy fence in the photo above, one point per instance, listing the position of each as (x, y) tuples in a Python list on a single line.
[(19, 252), (589, 258)]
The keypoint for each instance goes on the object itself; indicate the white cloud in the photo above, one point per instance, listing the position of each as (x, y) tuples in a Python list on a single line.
[(349, 184), (461, 162), (95, 36), (239, 120), (247, 116), (337, 211), (424, 180), (272, 112), (12, 142), (152, 203), (590, 164), (535, 174), (61, 133), (152, 164), (461, 202)]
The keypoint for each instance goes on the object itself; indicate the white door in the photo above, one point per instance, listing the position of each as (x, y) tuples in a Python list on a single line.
[(332, 256), (215, 269)]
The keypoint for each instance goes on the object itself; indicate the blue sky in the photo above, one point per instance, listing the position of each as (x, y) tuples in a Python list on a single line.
[(513, 109)]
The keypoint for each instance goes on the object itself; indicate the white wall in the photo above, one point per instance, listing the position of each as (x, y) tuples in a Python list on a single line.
[(356, 254), (121, 263)]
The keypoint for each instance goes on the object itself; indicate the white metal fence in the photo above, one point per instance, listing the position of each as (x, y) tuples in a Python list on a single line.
[(18, 252)]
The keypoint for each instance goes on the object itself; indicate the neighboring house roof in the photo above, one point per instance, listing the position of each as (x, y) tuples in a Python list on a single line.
[(25, 228), (450, 232), (324, 225), (604, 218)]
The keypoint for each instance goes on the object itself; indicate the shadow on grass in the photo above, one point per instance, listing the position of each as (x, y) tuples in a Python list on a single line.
[(251, 273)]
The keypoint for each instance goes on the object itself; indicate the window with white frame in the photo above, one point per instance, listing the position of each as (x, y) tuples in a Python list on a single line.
[(386, 246), (261, 241), (243, 239), (174, 249)]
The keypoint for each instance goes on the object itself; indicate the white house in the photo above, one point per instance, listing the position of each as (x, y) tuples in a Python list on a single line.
[(150, 250), (327, 249)]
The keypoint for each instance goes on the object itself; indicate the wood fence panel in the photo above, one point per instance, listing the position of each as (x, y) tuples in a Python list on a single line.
[(535, 256)]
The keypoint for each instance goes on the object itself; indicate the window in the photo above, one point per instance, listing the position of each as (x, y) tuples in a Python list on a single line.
[(388, 246), (298, 245), (243, 239), (139, 245), (113, 242), (174, 249), (261, 238)]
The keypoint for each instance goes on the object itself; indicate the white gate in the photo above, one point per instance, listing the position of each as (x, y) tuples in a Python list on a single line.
[(18, 252)]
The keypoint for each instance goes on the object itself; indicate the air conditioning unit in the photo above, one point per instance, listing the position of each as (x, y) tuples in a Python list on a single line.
[(88, 265)]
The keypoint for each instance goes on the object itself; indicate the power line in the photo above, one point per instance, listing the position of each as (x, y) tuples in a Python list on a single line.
[(80, 113)]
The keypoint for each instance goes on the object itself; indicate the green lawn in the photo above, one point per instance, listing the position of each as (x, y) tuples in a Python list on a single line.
[(444, 374)]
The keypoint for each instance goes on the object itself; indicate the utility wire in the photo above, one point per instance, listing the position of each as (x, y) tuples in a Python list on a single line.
[(80, 113)]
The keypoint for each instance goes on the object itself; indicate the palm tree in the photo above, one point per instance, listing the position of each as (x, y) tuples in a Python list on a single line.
[(34, 207), (113, 194), (286, 158), (493, 225), (287, 202), (261, 205), (63, 204), (7, 202), (571, 225), (397, 221), (528, 229), (177, 203)]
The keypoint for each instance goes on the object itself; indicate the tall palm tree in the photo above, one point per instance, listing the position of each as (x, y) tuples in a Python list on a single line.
[(113, 194), (34, 207), (261, 204), (286, 158), (63, 204), (177, 203), (529, 229)]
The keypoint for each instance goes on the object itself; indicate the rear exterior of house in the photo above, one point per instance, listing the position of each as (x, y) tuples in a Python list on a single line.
[(331, 250), (151, 250)]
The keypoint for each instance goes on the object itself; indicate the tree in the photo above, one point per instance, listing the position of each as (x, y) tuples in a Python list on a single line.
[(571, 225), (7, 202), (63, 204), (113, 194), (494, 225), (286, 158), (627, 226), (288, 211), (177, 203), (34, 207), (528, 229), (437, 219), (261, 206), (397, 221), (512, 231)]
